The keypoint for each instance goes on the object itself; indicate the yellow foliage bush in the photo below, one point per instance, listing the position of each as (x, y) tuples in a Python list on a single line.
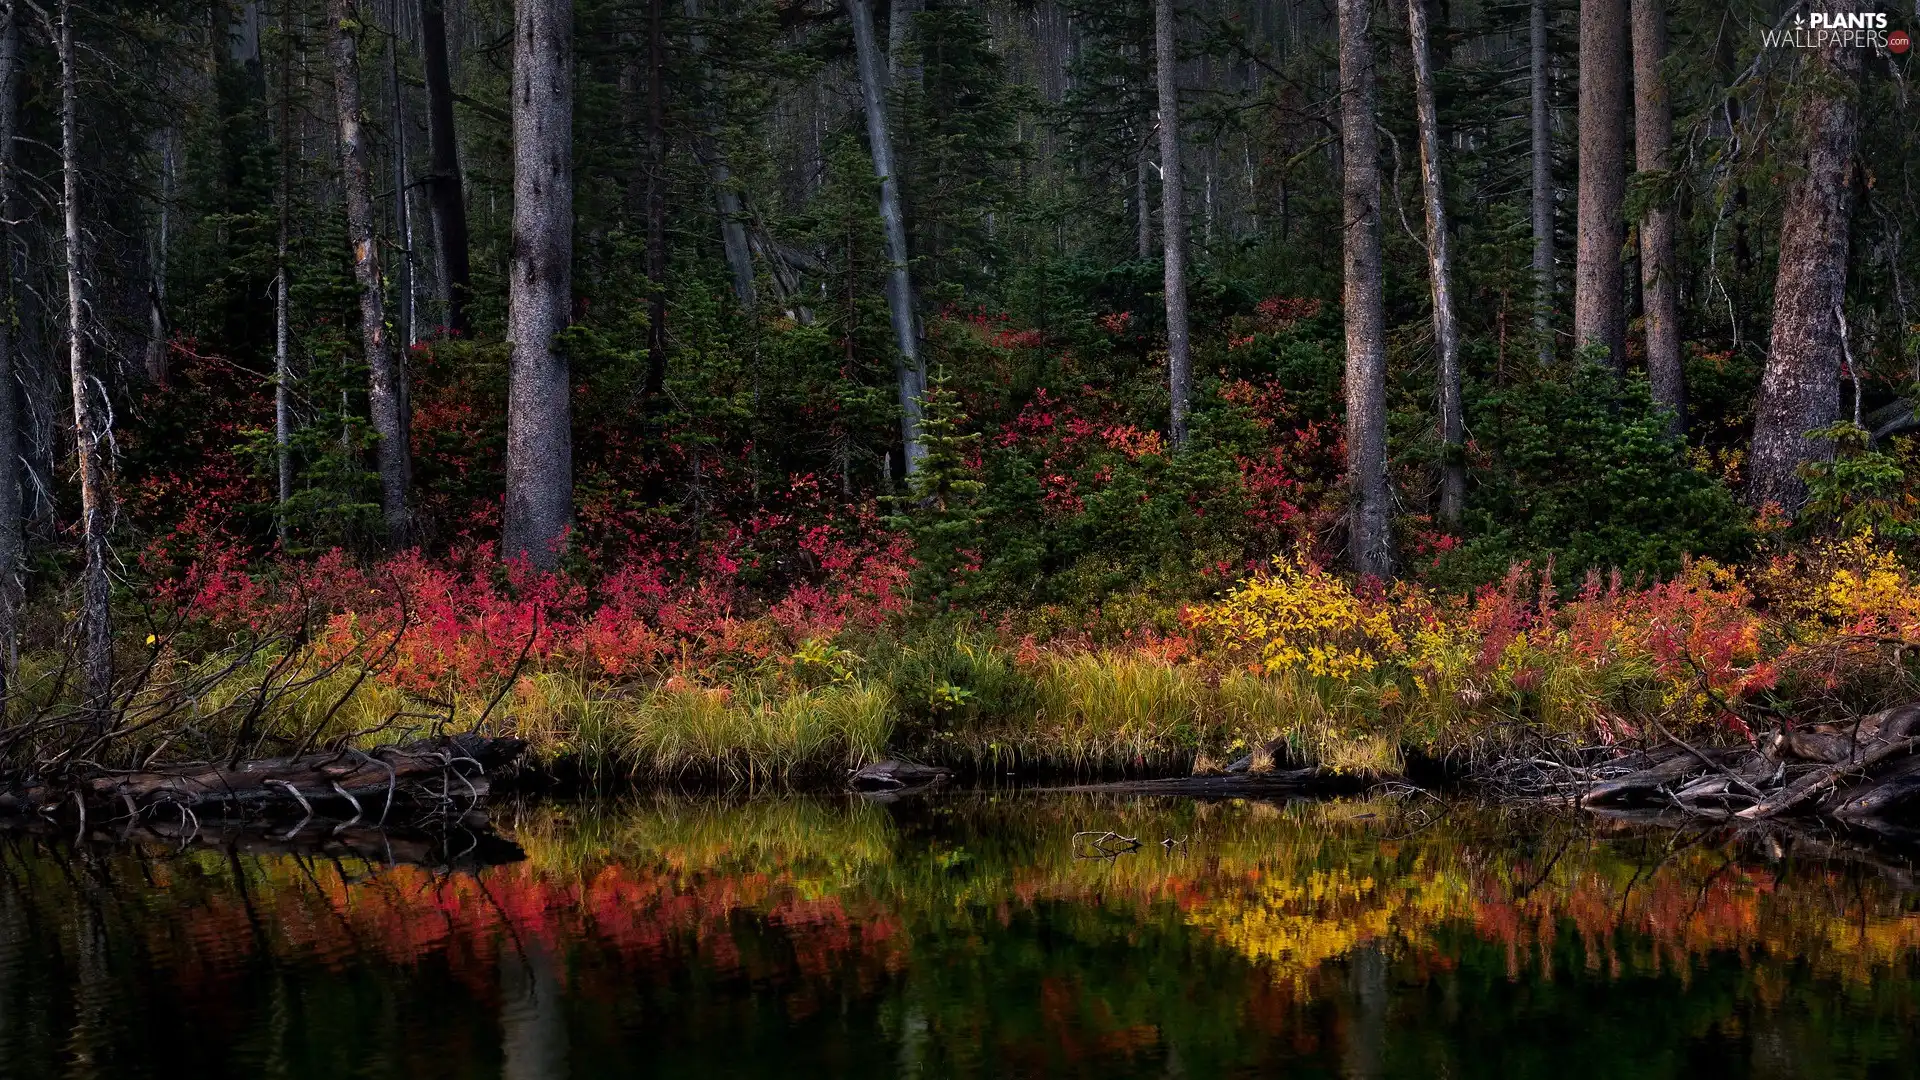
[(1299, 617)]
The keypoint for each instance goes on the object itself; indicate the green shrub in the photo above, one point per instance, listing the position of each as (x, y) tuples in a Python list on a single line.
[(1581, 470)]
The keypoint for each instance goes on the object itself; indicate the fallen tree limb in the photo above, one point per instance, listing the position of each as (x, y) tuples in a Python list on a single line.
[(1863, 772), (418, 772), (1864, 758)]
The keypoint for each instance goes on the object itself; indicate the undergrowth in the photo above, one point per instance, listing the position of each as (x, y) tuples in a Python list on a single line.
[(642, 680)]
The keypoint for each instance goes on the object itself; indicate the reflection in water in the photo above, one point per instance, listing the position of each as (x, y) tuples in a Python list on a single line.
[(1366, 1035), (532, 1015), (834, 937)]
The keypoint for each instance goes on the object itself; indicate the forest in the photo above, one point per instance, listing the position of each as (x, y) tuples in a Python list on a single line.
[(748, 390)]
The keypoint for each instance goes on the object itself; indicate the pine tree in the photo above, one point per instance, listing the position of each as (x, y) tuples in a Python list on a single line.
[(943, 514)]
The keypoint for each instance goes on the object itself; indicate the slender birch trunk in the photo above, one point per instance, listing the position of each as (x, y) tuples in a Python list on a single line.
[(96, 616), (386, 394), (445, 202), (1143, 221), (1368, 539), (282, 308), (1599, 282), (1173, 223), (1800, 389), (1542, 184), (656, 384), (156, 360), (1446, 333), (540, 287), (1652, 142), (12, 531), (911, 370), (733, 219)]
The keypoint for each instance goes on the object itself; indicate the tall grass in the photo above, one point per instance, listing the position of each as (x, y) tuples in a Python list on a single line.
[(731, 734), (956, 696)]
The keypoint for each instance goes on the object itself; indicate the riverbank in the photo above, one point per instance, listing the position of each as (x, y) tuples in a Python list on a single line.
[(641, 683)]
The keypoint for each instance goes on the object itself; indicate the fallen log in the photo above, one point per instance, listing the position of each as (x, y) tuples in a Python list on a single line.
[(1891, 788), (1667, 766), (1835, 743), (466, 843), (1864, 757), (1865, 772), (439, 770), (1281, 784)]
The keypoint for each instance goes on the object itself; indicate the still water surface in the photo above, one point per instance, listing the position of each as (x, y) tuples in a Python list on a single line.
[(962, 936)]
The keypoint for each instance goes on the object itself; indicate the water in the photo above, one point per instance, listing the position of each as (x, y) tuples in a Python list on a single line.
[(963, 937)]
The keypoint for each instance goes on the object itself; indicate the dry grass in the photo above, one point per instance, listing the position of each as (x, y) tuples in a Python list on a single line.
[(958, 698)]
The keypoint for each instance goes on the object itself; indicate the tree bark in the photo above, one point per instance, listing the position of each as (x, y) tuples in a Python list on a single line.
[(1652, 142), (402, 219), (911, 370), (1173, 223), (899, 34), (96, 618), (444, 199), (156, 360), (1542, 184), (1143, 219), (1800, 389), (656, 205), (540, 289), (12, 532), (733, 219), (1368, 539), (1446, 333), (386, 395), (282, 307), (1599, 284)]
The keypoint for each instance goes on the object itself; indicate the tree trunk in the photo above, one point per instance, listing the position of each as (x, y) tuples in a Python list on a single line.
[(444, 199), (1368, 541), (911, 370), (1652, 138), (282, 307), (1800, 390), (243, 44), (402, 222), (656, 205), (540, 289), (386, 396), (1446, 334), (96, 620), (12, 533), (156, 360), (899, 34), (1143, 219), (733, 220), (1599, 284), (1542, 185), (1173, 223)]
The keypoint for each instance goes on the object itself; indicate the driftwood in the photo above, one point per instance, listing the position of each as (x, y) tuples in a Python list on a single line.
[(1867, 772), (352, 784)]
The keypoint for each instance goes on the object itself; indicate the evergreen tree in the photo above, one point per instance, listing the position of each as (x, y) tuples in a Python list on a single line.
[(942, 510)]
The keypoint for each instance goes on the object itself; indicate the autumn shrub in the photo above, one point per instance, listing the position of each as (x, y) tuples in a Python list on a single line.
[(1712, 651)]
